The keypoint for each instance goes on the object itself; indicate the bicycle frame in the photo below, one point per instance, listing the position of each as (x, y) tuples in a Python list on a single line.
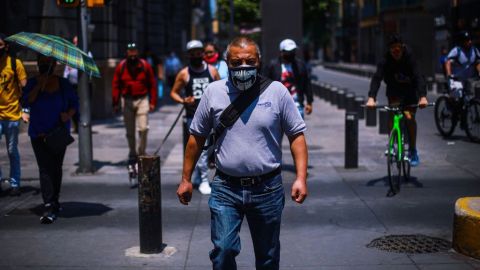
[(397, 118)]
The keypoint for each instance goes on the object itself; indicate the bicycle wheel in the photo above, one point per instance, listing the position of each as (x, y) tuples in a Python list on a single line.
[(394, 164), (472, 120), (445, 119)]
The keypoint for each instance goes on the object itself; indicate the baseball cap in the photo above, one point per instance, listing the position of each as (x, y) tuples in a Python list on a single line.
[(287, 45), (194, 44)]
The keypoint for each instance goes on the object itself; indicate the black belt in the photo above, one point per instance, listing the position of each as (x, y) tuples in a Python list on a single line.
[(247, 181)]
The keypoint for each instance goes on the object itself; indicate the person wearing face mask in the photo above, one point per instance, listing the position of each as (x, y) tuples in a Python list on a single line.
[(194, 79), (405, 87), (51, 100), (248, 180), (12, 79), (135, 87), (212, 57), (293, 73)]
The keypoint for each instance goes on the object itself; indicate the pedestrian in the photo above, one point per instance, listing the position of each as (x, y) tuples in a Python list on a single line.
[(71, 74), (157, 66), (248, 154), (51, 101), (135, 87), (12, 78), (443, 59), (405, 87), (195, 78), (172, 66), (293, 74), (212, 57)]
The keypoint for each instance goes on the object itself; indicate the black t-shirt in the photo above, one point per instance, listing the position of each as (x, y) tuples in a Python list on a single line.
[(197, 83)]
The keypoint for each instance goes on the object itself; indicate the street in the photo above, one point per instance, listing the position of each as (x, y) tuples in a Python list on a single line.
[(346, 208)]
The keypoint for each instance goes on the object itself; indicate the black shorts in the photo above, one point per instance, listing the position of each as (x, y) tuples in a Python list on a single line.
[(402, 97)]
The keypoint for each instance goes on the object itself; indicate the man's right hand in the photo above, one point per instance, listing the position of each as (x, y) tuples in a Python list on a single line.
[(25, 117), (189, 100), (371, 102), (184, 192)]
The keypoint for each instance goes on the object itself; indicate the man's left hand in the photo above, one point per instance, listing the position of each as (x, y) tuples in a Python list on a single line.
[(308, 109), (299, 191), (423, 102)]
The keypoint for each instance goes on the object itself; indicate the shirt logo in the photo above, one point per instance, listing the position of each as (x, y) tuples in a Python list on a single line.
[(267, 104)]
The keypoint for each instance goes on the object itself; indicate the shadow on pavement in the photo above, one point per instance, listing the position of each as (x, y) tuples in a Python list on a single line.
[(412, 181), (76, 209), (24, 191)]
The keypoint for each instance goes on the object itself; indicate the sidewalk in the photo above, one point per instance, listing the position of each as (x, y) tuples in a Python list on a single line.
[(345, 210)]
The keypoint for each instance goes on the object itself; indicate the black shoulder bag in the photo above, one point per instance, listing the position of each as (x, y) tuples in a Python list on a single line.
[(231, 114), (59, 137)]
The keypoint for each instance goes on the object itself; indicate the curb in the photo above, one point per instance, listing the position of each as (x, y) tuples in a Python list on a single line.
[(466, 226)]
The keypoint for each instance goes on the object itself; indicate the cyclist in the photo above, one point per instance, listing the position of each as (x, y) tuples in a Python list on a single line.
[(405, 86), (463, 61)]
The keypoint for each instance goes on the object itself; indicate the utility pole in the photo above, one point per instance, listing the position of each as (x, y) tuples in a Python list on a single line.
[(85, 152)]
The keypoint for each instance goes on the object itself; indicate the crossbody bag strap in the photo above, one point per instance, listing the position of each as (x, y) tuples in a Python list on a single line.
[(231, 114)]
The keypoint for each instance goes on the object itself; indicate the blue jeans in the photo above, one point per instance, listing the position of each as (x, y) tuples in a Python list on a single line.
[(262, 205), (200, 172), (10, 129)]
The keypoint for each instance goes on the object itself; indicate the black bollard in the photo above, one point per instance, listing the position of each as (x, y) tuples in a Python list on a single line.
[(328, 88), (314, 85), (477, 90), (149, 205), (383, 116), (341, 99), (359, 104), (371, 120), (333, 97), (351, 140), (321, 90), (350, 105)]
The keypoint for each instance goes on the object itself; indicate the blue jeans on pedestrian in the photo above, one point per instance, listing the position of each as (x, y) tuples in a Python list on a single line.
[(200, 173), (262, 205), (10, 130)]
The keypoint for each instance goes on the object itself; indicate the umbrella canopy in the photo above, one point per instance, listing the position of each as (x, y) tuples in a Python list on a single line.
[(58, 48)]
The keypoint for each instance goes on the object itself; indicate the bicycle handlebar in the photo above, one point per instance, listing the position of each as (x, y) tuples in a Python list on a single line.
[(396, 108)]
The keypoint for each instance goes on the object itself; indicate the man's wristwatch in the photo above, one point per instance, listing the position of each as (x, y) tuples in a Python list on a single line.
[(26, 110)]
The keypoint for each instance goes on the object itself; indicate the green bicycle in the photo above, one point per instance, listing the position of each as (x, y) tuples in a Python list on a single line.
[(398, 163)]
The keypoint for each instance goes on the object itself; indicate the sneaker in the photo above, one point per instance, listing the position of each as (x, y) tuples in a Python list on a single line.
[(49, 215), (15, 191), (205, 188), (414, 159)]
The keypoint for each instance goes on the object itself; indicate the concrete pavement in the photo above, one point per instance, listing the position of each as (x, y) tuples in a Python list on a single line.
[(345, 210)]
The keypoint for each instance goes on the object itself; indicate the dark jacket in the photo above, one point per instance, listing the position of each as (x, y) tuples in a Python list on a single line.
[(401, 77), (302, 78)]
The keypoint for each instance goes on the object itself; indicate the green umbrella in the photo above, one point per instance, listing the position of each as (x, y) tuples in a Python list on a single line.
[(58, 48)]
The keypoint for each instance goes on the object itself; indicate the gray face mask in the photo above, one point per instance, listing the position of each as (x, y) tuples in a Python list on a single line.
[(242, 77)]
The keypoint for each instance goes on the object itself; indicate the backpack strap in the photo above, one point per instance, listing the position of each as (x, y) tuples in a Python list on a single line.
[(231, 114)]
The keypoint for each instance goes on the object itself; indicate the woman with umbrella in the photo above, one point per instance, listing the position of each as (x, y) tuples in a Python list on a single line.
[(50, 99)]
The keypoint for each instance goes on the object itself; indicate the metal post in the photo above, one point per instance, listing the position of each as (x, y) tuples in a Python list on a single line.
[(185, 133), (321, 92), (351, 140), (333, 97), (383, 121), (350, 106), (328, 92), (149, 205), (85, 152), (359, 103), (341, 99), (371, 120)]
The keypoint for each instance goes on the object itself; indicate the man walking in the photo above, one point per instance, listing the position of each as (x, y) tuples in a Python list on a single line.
[(12, 79), (134, 84), (248, 155), (293, 74), (195, 78)]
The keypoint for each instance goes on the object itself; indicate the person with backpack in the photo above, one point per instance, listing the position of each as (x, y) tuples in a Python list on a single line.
[(195, 78), (463, 61), (249, 113), (134, 86), (12, 78)]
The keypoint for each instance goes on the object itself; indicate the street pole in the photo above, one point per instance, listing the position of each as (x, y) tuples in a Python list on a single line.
[(85, 153)]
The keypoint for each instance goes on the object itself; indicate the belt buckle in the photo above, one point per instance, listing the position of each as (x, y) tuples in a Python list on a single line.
[(246, 181)]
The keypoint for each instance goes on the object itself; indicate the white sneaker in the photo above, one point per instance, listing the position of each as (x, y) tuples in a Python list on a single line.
[(205, 188)]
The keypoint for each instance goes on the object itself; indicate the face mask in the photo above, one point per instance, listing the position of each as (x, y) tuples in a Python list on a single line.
[(242, 77), (212, 60), (196, 61), (132, 60), (45, 68), (289, 57)]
